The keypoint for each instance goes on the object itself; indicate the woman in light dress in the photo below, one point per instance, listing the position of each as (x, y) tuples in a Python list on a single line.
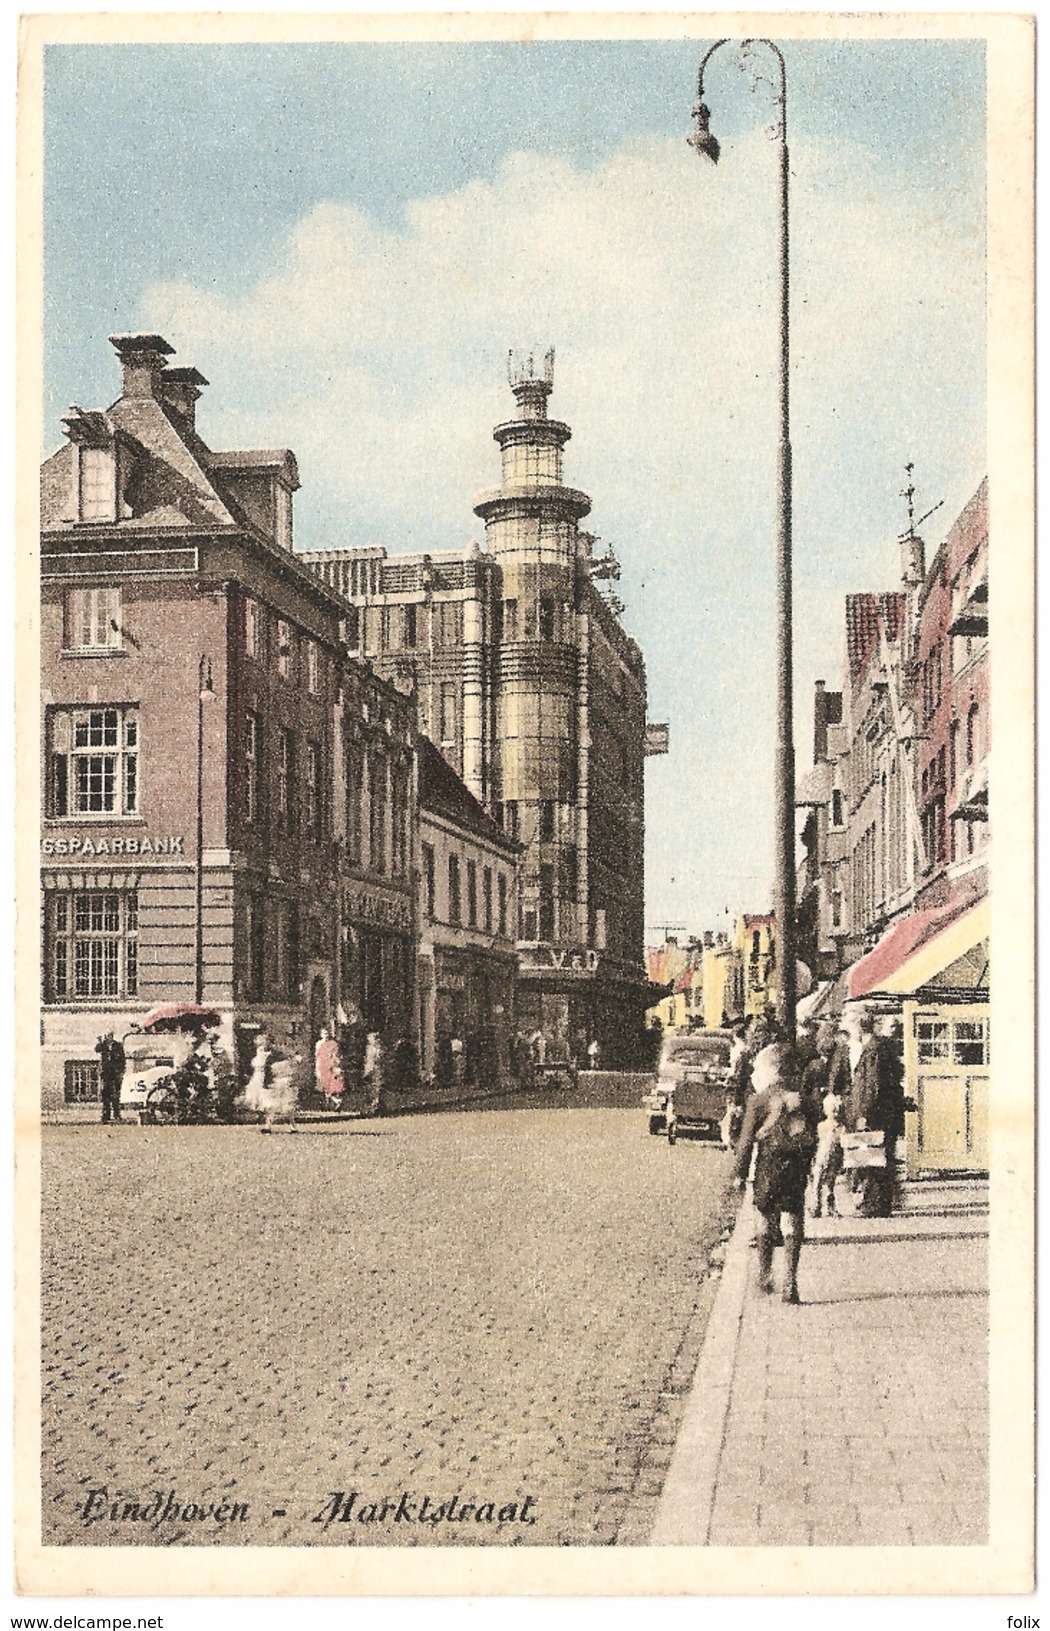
[(271, 1087)]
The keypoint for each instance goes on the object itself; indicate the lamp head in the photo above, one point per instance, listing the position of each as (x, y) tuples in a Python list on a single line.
[(705, 145)]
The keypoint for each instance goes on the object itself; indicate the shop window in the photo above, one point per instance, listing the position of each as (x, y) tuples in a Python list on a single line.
[(92, 943), (94, 762), (970, 1042), (933, 1039), (82, 1081), (454, 904), (93, 619)]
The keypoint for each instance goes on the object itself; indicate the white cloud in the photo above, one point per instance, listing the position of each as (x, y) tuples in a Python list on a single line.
[(378, 356)]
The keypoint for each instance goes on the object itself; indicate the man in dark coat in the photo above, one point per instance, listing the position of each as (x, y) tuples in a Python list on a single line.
[(784, 1135), (112, 1062), (876, 1104)]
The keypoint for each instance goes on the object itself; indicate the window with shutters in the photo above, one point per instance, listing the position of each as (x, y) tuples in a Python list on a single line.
[(93, 619), (93, 762)]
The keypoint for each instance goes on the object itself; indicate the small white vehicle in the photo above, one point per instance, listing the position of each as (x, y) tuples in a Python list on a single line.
[(149, 1065)]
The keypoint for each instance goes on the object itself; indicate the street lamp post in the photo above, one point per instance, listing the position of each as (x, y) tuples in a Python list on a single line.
[(205, 693), (707, 146)]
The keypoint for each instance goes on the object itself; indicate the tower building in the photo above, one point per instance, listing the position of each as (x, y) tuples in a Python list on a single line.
[(535, 694)]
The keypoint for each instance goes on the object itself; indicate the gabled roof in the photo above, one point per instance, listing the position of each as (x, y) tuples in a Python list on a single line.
[(443, 793), (863, 615)]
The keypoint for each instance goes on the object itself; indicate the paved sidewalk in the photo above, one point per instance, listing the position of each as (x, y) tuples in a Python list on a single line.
[(859, 1418)]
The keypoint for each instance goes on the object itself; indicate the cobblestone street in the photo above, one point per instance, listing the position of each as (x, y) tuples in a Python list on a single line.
[(496, 1309)]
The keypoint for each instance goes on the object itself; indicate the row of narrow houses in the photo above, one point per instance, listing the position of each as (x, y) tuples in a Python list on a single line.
[(893, 888), (312, 789), (893, 883)]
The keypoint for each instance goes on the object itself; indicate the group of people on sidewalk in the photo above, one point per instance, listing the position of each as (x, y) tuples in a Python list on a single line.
[(795, 1107)]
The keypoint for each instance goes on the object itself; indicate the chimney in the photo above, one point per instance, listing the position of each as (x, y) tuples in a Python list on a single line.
[(179, 390), (143, 357)]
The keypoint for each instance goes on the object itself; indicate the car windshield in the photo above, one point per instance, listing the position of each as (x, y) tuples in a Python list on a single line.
[(710, 1053)]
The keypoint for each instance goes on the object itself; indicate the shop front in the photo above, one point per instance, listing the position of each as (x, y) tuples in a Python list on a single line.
[(940, 987)]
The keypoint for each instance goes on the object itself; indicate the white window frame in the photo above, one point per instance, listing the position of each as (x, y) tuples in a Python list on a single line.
[(94, 763), (92, 944), (97, 484), (94, 618)]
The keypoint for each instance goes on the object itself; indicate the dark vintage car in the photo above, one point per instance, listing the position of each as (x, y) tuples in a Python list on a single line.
[(691, 1089)]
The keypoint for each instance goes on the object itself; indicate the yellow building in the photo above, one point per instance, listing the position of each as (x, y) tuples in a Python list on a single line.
[(755, 984)]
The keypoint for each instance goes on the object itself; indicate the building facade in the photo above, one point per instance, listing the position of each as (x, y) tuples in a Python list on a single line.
[(197, 706), (953, 701), (468, 901), (534, 693)]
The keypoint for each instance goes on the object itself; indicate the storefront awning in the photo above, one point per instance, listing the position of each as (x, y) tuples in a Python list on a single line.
[(915, 951)]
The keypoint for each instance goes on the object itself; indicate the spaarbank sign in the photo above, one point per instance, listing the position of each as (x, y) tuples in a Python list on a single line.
[(87, 847)]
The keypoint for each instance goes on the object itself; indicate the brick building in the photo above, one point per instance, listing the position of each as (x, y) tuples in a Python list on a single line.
[(534, 693), (193, 680), (953, 702)]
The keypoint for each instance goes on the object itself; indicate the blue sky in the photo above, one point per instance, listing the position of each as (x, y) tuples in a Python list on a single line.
[(347, 239)]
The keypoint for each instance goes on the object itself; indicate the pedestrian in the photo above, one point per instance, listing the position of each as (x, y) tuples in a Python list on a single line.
[(328, 1070), (271, 1089), (594, 1054), (875, 1105), (372, 1074), (111, 1070), (821, 1082), (783, 1139)]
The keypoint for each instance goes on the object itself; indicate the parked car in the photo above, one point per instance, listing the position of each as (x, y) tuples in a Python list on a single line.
[(691, 1089)]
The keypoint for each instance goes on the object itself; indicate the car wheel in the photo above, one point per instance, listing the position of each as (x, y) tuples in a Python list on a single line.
[(672, 1135)]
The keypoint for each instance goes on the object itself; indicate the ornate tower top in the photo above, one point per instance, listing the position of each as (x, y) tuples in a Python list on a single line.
[(531, 381)]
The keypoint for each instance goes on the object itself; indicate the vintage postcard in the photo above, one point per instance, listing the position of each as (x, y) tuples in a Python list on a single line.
[(515, 746)]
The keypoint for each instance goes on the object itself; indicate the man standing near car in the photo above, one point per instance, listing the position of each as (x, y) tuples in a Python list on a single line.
[(111, 1055)]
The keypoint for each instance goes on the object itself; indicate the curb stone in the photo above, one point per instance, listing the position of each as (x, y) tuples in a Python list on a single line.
[(683, 1516)]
